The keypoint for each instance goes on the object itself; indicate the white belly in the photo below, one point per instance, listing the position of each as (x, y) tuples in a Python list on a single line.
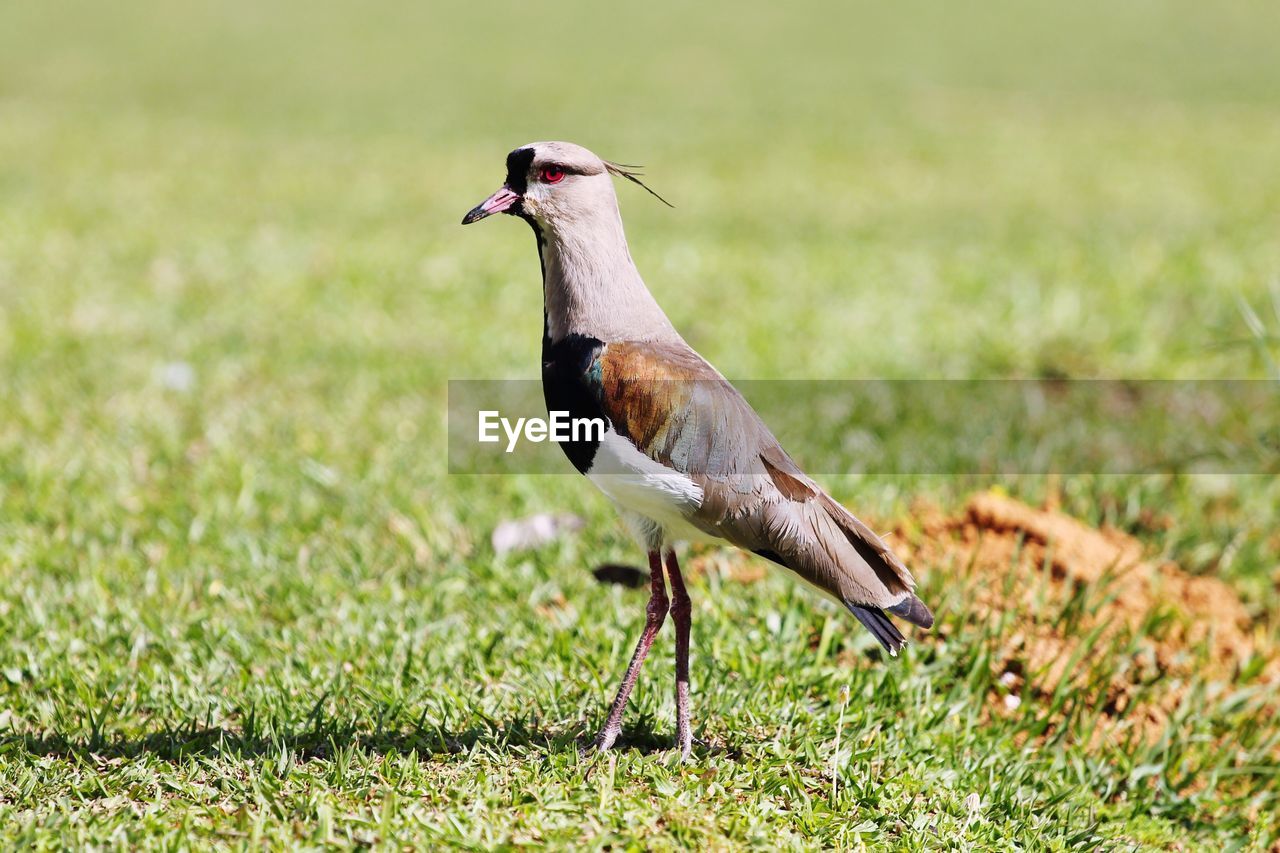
[(647, 488)]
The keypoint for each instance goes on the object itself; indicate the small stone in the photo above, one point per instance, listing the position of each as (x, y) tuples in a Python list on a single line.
[(524, 533), (175, 376)]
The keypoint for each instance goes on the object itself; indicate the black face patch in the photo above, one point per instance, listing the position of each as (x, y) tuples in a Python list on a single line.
[(518, 163)]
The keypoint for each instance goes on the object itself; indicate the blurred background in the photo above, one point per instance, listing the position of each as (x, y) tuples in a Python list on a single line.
[(233, 287)]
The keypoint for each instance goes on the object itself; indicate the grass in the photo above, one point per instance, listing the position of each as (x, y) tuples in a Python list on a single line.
[(243, 603)]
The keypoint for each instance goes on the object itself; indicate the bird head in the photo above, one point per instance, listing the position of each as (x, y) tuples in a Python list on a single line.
[(555, 183)]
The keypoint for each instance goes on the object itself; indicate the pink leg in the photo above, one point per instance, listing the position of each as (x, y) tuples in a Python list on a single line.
[(655, 613), (681, 610)]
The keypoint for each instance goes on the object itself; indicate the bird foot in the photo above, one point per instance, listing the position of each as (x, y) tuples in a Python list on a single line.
[(602, 742), (605, 740)]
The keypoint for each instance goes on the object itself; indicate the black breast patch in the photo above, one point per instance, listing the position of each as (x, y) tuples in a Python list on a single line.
[(571, 383)]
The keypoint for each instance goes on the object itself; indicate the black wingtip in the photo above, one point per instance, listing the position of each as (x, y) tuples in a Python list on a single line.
[(874, 620), (913, 610)]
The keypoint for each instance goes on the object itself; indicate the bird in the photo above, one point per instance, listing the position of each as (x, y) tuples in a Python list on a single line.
[(683, 456)]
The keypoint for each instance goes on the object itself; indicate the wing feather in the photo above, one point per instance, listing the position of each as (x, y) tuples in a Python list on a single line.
[(679, 411)]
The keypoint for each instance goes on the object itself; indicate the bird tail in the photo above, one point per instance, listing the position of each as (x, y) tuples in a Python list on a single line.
[(913, 610), (886, 633), (891, 571), (874, 620), (826, 545)]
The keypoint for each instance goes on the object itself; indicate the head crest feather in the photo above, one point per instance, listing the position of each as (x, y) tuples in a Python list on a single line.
[(632, 174)]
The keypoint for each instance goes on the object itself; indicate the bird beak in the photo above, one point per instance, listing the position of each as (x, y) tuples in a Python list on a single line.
[(503, 200)]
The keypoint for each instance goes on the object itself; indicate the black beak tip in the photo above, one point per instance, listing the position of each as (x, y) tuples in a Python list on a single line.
[(474, 215)]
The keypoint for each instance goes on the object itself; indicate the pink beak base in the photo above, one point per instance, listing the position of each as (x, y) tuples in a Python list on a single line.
[(501, 201)]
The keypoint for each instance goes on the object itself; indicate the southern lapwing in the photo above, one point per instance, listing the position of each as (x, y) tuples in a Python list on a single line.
[(684, 457)]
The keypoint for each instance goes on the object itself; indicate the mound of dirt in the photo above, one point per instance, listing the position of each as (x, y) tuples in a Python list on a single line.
[(1059, 584), (1071, 609)]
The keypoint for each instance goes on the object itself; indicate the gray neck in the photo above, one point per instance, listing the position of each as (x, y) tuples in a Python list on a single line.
[(591, 286)]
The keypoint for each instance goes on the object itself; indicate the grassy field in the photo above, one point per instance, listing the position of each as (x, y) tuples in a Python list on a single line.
[(243, 603)]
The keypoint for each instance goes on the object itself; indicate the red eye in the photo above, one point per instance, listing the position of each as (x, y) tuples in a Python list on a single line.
[(552, 174)]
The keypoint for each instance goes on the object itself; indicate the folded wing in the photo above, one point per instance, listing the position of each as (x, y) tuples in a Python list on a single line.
[(679, 411)]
